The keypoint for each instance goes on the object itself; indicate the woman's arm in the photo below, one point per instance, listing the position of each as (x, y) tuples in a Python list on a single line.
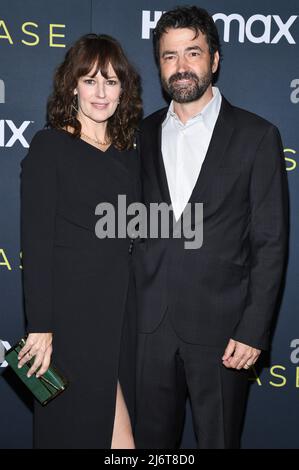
[(38, 210)]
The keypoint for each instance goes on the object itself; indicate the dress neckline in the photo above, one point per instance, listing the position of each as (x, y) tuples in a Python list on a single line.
[(78, 139)]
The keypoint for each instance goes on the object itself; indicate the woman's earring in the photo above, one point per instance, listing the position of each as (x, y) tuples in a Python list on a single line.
[(74, 104)]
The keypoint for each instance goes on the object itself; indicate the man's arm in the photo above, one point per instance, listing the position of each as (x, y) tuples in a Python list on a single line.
[(268, 239)]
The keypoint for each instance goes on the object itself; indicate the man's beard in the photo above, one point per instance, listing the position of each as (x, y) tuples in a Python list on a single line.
[(188, 92)]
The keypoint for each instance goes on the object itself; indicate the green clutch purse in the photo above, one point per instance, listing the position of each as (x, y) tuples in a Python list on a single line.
[(44, 388)]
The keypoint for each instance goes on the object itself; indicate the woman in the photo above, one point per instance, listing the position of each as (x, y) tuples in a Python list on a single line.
[(75, 284)]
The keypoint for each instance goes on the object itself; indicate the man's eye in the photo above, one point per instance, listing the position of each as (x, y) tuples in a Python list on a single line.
[(169, 57)]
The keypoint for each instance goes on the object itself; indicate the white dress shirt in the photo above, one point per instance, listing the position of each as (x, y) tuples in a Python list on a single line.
[(184, 147)]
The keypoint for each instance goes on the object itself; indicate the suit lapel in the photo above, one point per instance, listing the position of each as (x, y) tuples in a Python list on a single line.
[(158, 161), (222, 133)]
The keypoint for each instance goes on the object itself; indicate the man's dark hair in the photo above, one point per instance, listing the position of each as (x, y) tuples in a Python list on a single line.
[(190, 17)]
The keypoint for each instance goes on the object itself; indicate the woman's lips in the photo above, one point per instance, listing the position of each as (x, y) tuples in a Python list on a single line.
[(100, 105)]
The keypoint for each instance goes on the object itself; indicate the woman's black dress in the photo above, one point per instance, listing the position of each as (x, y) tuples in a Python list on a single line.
[(77, 285)]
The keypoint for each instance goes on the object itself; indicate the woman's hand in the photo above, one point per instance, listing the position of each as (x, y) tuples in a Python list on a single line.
[(39, 346)]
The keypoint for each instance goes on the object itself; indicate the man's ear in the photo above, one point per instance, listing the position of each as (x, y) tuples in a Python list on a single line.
[(215, 62)]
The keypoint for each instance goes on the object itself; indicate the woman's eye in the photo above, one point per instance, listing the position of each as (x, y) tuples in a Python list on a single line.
[(89, 81), (111, 82)]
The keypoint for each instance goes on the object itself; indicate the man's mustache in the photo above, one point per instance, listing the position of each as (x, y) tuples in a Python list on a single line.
[(183, 76)]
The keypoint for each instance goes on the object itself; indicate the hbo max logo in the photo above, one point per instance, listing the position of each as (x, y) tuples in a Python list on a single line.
[(295, 93), (2, 91), (4, 346), (14, 133), (10, 133), (271, 24)]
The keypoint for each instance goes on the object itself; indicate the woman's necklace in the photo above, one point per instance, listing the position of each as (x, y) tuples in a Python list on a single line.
[(96, 141)]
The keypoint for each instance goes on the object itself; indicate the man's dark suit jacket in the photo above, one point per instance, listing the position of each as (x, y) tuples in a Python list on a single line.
[(228, 288)]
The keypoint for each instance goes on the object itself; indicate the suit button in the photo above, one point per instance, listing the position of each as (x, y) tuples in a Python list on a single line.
[(131, 246)]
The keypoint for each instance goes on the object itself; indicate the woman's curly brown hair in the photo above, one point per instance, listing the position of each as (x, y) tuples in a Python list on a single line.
[(88, 51)]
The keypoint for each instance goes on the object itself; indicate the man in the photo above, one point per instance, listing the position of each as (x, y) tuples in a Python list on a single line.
[(205, 314)]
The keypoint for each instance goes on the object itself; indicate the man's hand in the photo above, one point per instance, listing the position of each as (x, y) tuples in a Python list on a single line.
[(239, 355)]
